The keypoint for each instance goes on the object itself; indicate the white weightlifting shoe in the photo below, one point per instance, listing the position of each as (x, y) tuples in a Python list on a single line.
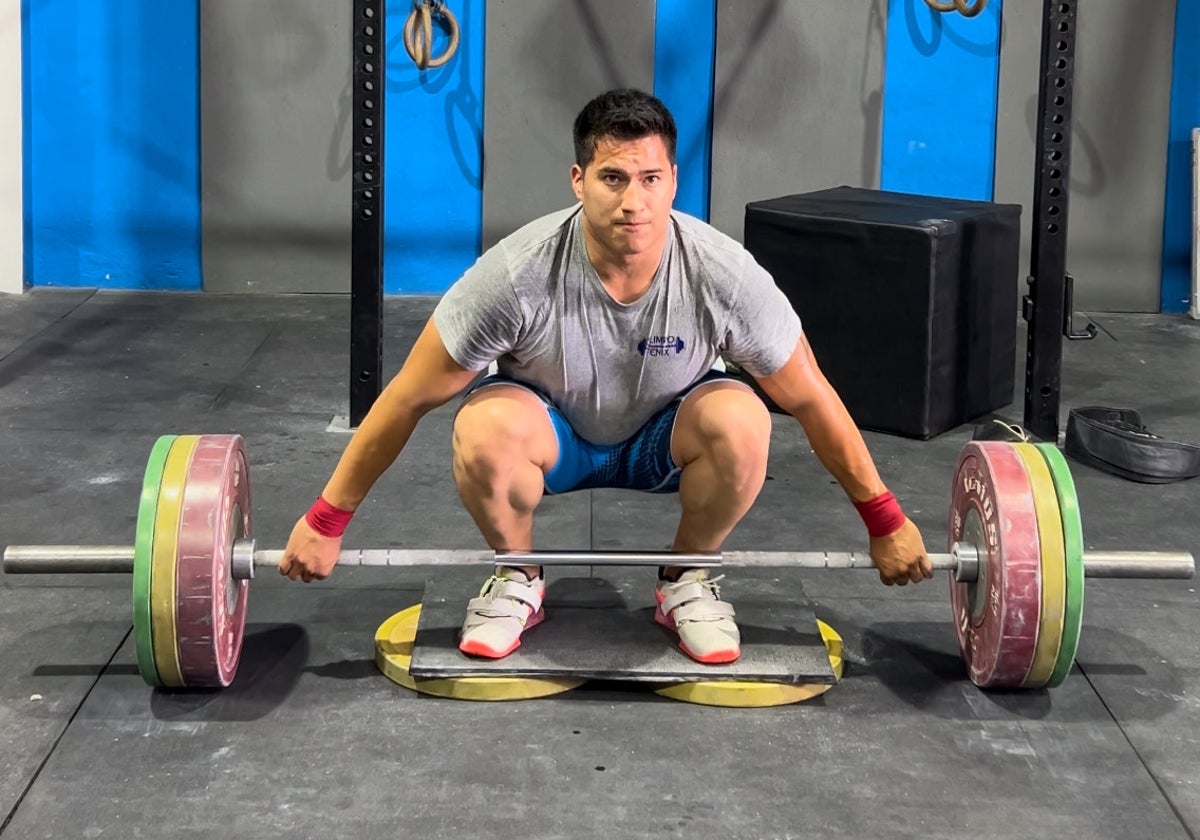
[(507, 606), (692, 607)]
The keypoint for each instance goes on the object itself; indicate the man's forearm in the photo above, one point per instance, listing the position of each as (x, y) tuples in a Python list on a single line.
[(839, 446), (374, 447)]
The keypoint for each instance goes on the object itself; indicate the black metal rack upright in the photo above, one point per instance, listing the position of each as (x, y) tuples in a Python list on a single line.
[(1048, 305), (366, 231)]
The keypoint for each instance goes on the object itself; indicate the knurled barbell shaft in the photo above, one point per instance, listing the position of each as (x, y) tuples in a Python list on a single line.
[(57, 559)]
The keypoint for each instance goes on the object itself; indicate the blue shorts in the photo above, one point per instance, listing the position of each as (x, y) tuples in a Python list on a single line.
[(642, 462)]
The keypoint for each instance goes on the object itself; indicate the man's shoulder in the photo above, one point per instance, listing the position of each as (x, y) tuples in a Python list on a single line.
[(531, 238), (697, 234), (718, 256)]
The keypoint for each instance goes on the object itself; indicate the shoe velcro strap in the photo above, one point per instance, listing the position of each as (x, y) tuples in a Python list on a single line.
[(683, 593), (482, 609), (526, 593), (703, 611)]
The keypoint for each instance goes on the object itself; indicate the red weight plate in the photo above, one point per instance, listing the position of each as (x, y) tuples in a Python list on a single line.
[(997, 617), (211, 605)]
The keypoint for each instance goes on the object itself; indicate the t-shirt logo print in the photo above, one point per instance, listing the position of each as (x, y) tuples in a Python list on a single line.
[(660, 345)]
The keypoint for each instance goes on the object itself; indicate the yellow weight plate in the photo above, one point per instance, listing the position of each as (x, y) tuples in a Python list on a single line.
[(758, 694), (393, 653), (164, 559), (1054, 566)]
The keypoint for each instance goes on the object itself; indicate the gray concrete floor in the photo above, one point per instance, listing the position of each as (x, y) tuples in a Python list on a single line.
[(311, 741)]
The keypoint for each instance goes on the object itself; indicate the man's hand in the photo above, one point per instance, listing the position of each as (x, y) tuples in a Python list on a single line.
[(901, 557), (309, 556)]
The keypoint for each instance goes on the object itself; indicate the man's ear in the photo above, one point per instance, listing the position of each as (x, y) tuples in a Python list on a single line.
[(577, 180)]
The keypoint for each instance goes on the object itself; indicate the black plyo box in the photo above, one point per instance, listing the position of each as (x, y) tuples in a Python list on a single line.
[(909, 301)]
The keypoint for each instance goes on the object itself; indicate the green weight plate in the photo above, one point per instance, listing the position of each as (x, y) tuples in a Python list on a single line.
[(1068, 505), (143, 559)]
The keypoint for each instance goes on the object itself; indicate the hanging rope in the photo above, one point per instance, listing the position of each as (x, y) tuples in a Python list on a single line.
[(418, 33), (963, 7)]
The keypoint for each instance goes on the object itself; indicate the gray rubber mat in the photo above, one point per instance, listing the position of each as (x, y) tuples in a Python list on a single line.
[(593, 630)]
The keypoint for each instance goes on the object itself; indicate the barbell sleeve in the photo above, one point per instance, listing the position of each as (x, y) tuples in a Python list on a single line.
[(74, 559)]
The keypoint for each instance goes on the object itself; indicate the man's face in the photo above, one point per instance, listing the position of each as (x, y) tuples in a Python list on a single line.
[(626, 194)]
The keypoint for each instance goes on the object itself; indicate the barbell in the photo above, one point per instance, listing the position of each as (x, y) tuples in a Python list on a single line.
[(1016, 555)]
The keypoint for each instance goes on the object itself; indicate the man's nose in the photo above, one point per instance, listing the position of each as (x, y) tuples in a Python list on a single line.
[(633, 198)]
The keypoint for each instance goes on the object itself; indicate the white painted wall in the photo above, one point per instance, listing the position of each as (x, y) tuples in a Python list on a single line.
[(11, 214)]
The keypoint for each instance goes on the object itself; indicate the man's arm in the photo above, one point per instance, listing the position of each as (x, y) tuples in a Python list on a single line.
[(800, 389), (428, 379)]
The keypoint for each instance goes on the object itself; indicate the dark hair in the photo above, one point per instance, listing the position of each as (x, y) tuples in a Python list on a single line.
[(624, 114)]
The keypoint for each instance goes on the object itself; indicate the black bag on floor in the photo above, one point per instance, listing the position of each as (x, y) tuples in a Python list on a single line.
[(1115, 441)]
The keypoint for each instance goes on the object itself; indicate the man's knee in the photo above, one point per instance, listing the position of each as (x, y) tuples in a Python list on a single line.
[(501, 429), (728, 423)]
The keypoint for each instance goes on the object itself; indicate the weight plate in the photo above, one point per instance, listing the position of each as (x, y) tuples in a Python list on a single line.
[(211, 604), (393, 654), (1072, 526), (1054, 566), (758, 694), (166, 545), (143, 555), (996, 617)]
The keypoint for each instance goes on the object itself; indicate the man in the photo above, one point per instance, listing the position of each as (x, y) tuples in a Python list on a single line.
[(608, 322)]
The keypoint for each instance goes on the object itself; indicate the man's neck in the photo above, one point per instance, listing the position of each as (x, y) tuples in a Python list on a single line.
[(626, 277)]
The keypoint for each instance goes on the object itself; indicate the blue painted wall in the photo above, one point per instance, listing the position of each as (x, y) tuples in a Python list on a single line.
[(112, 186), (685, 33), (112, 164), (433, 157), (1185, 115), (941, 86)]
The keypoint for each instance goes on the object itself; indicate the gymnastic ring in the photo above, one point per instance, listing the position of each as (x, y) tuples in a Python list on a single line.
[(961, 6), (418, 48)]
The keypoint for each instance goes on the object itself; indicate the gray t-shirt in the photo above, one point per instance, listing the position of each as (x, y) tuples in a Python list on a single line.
[(534, 304)]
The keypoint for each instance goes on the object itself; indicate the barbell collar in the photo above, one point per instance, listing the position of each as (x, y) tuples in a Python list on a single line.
[(963, 560)]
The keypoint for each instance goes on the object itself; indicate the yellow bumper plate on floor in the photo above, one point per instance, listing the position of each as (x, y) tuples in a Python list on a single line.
[(758, 694), (393, 653), (165, 559), (1054, 566)]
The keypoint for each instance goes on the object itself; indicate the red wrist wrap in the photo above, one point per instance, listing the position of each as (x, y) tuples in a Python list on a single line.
[(327, 520), (882, 515)]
